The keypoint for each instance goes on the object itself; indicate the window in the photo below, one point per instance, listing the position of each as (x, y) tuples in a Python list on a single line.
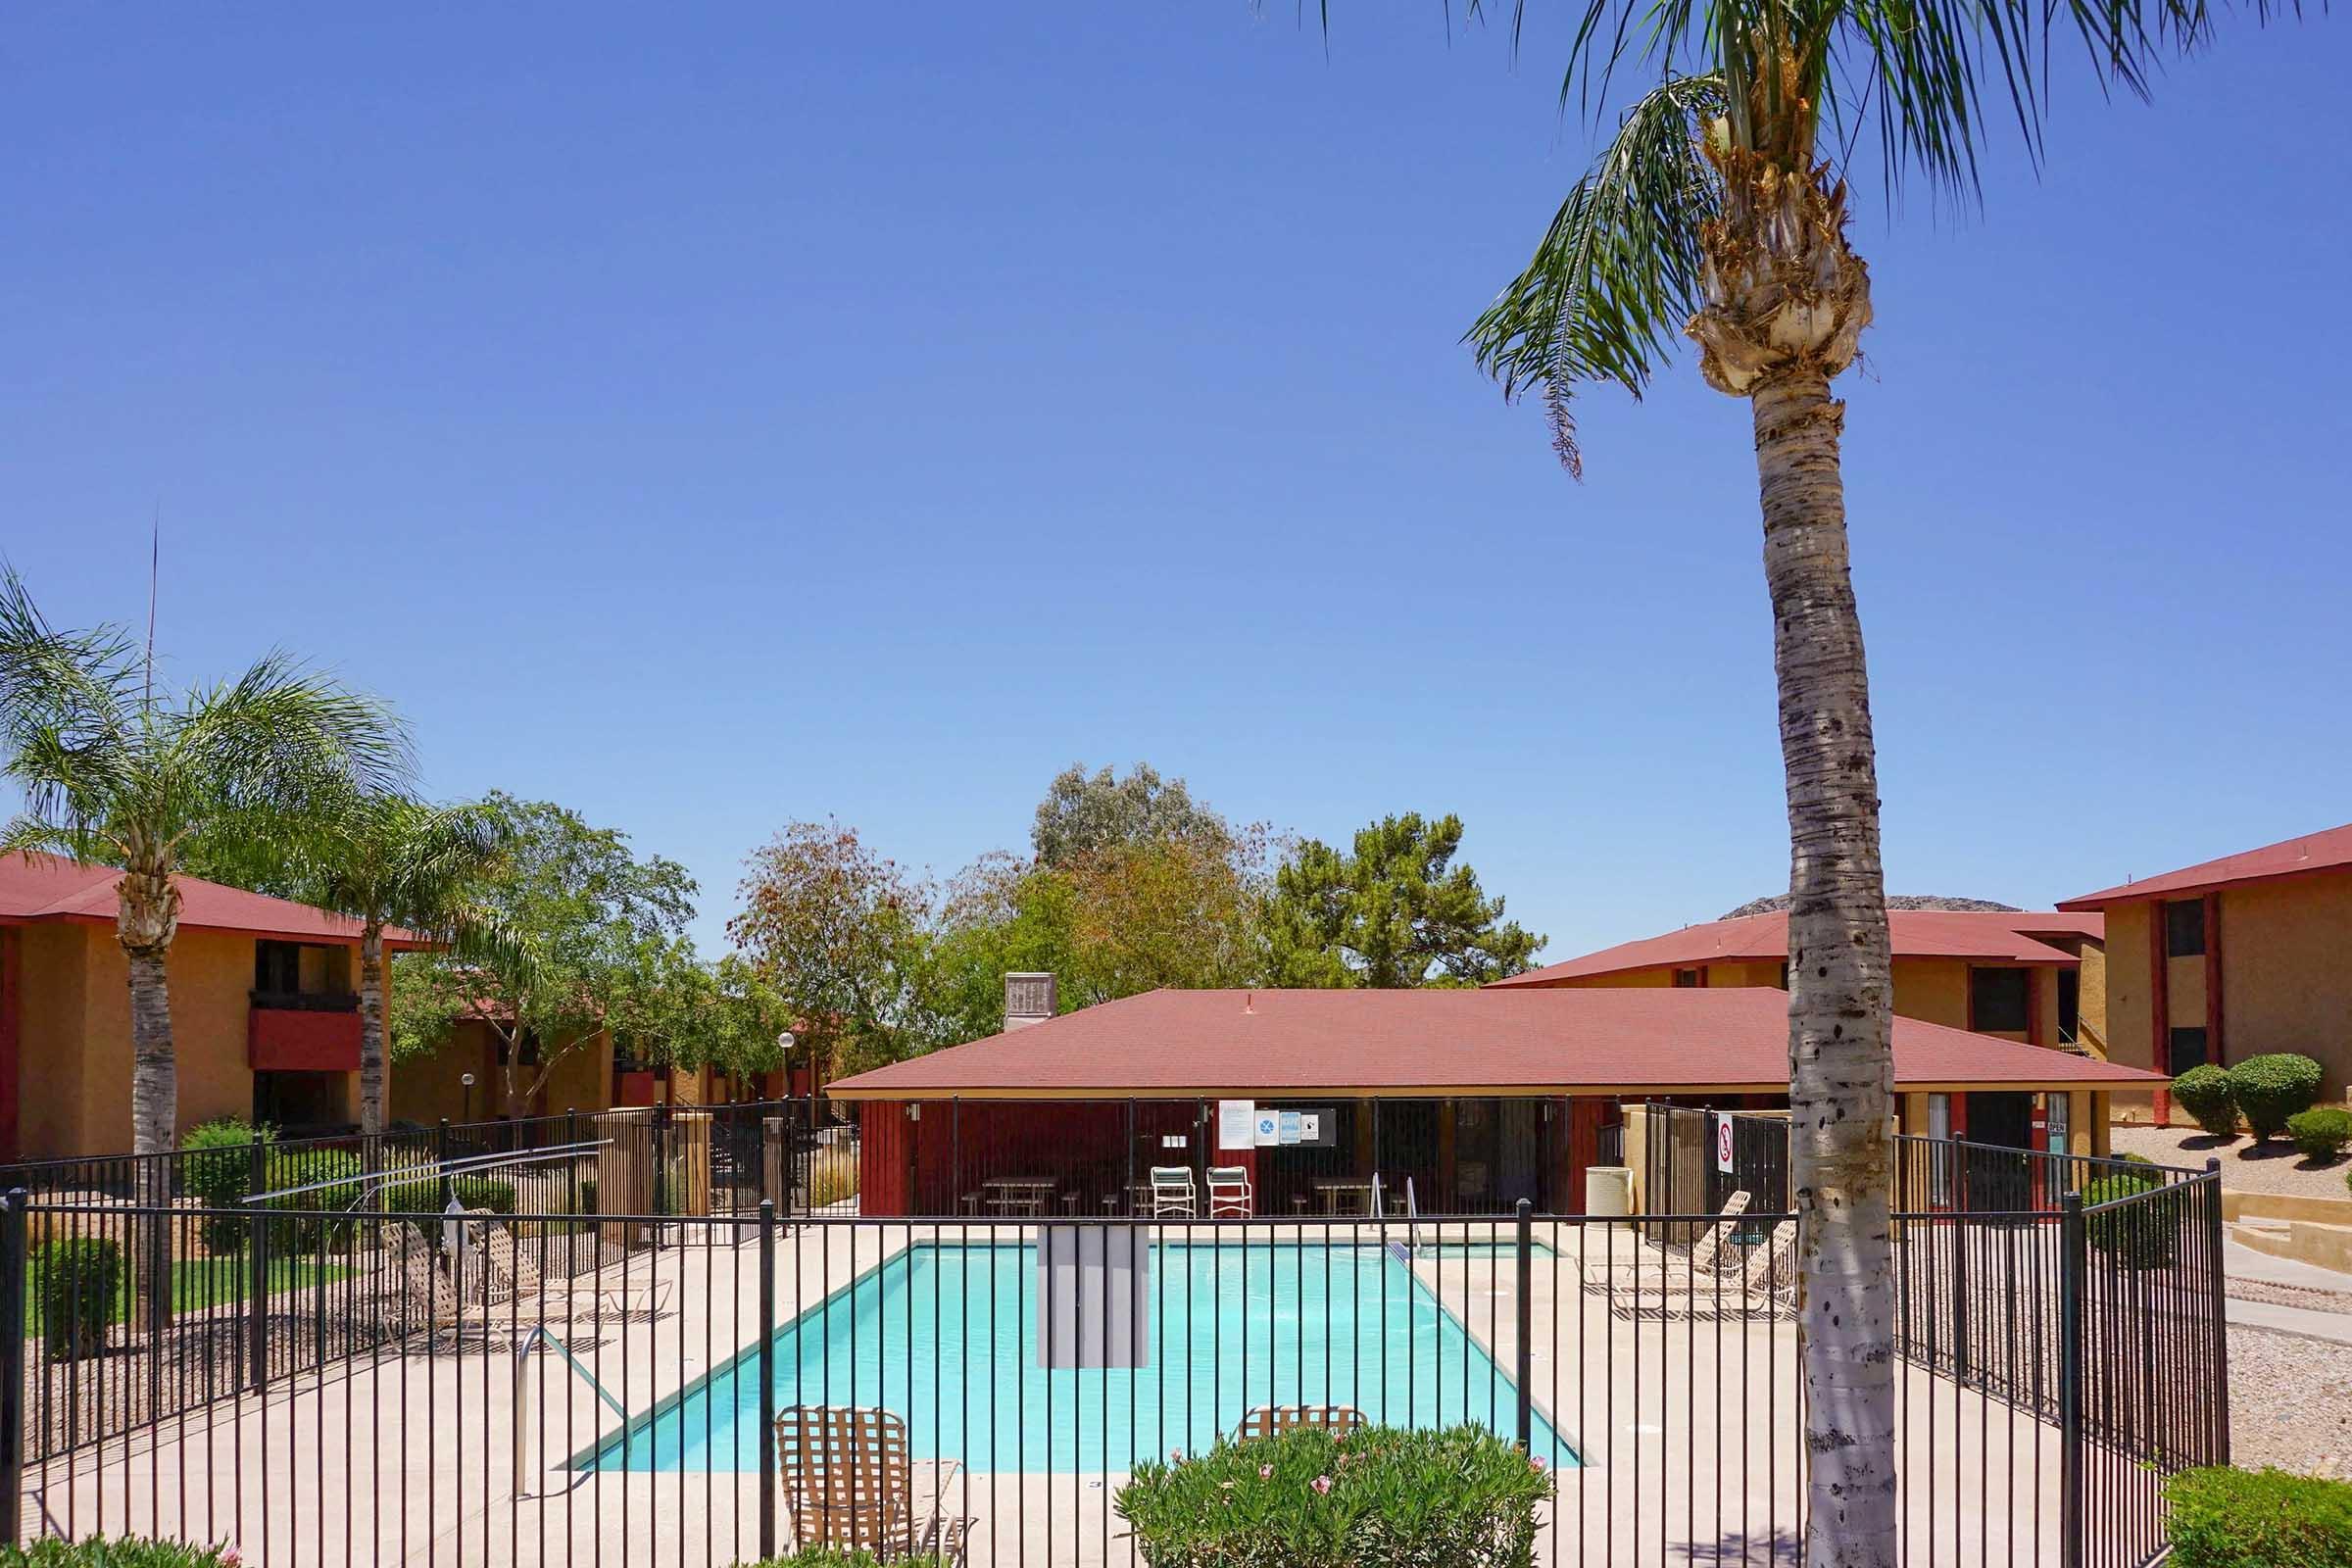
[(2070, 1006), (1686, 977), (2187, 1049), (2184, 928), (277, 967), (2000, 1001)]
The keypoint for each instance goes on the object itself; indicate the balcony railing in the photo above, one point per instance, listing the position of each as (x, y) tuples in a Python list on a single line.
[(306, 1001)]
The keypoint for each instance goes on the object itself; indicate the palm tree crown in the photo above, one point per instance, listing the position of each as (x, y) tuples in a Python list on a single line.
[(1770, 97)]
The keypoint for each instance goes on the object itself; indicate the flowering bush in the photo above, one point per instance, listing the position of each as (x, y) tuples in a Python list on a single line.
[(1375, 1498)]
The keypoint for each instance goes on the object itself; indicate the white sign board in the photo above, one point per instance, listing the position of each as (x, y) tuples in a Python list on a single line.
[(1310, 1126), (1237, 1123), (1288, 1134), (1266, 1130), (1722, 1144)]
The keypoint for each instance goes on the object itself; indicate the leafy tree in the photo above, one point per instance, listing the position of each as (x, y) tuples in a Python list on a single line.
[(1082, 814), (674, 1008), (1718, 211), (597, 927), (114, 770), (839, 933), (1394, 912)]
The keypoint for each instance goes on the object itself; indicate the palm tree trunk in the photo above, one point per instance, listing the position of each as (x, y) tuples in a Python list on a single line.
[(146, 919), (371, 1028), (1840, 1084), (154, 1113)]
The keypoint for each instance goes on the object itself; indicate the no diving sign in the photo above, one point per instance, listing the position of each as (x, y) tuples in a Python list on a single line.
[(1723, 1142)]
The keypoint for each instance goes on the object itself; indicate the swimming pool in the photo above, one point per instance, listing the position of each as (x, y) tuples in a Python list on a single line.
[(944, 1334)]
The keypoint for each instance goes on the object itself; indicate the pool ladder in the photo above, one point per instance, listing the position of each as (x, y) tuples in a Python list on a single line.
[(540, 1334)]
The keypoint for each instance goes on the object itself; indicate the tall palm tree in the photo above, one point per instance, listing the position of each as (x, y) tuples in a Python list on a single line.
[(113, 770), (393, 861), (1719, 208)]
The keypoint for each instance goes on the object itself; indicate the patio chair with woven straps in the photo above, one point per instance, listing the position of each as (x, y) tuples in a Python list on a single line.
[(849, 1486), (1273, 1420), (1173, 1195)]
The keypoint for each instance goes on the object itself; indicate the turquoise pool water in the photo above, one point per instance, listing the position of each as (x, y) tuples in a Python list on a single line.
[(946, 1336)]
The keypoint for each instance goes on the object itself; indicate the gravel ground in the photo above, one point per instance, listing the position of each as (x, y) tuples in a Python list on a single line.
[(2247, 1166), (2290, 1402)]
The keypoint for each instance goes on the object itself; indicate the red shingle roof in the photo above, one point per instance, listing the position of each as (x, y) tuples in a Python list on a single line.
[(1979, 936), (2330, 851), (40, 887), (1615, 1039)]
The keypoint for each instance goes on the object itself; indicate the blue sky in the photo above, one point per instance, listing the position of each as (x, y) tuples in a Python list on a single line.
[(713, 421)]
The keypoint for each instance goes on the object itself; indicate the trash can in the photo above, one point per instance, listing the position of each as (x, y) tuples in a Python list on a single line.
[(1609, 1190)]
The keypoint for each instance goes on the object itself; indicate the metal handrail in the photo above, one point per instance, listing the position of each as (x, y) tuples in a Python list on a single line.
[(541, 1335), (402, 1175)]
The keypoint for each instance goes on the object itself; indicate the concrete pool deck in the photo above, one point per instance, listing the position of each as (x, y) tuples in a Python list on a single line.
[(1687, 1425)]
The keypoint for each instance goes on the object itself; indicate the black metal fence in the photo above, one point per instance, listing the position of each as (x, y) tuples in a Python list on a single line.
[(672, 1158), (359, 1386)]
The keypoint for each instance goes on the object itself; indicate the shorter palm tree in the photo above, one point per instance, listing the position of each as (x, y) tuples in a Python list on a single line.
[(392, 860), (113, 773)]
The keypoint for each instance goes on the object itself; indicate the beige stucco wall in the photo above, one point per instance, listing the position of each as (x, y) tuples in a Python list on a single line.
[(2287, 973), (74, 1052), (429, 1088), (1931, 989), (52, 988)]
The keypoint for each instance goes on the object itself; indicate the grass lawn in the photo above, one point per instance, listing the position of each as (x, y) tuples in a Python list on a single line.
[(200, 1283)]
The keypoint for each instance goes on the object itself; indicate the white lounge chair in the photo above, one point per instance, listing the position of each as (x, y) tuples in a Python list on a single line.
[(1230, 1195), (1273, 1420), (1173, 1195)]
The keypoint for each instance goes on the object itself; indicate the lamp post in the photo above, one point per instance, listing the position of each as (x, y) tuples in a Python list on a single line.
[(467, 1079)]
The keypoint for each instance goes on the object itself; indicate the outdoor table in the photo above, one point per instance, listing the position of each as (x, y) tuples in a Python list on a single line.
[(1018, 1194), (1344, 1200)]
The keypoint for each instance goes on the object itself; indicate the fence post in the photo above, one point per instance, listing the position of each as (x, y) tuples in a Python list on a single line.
[(2073, 1268), (448, 1186), (257, 1283), (1526, 1316), (767, 1378), (13, 1245), (2217, 1304)]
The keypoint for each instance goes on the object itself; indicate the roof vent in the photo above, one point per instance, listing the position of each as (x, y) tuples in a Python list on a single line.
[(1028, 999)]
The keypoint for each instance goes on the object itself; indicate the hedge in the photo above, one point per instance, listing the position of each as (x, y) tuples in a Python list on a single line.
[(217, 1173), (2223, 1518), (79, 1281), (2321, 1133), (126, 1551), (1375, 1498), (2272, 1088), (2146, 1234), (2207, 1095)]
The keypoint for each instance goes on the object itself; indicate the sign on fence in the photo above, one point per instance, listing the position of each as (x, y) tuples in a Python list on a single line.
[(1725, 1145)]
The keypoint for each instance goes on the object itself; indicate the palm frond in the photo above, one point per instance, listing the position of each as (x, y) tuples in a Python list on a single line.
[(1617, 273), (278, 739)]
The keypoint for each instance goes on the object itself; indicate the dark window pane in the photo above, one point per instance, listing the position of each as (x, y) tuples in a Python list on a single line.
[(1997, 1000), (2187, 1051), (2184, 928), (1685, 977)]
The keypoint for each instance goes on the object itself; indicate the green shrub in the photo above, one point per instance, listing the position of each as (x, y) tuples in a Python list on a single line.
[(2145, 1233), (324, 1211), (2272, 1088), (471, 1192), (124, 1552), (217, 1172), (2134, 1159), (79, 1284), (2209, 1094), (2323, 1132), (1376, 1498), (2224, 1518)]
